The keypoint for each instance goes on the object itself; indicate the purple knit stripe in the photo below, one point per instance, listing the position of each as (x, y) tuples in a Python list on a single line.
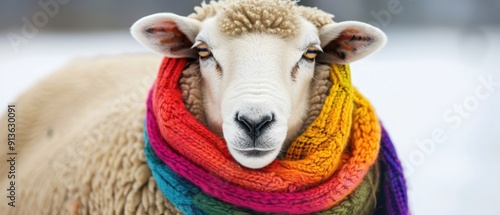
[(393, 181)]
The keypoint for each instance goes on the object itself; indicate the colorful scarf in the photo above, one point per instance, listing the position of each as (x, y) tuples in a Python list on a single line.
[(330, 164)]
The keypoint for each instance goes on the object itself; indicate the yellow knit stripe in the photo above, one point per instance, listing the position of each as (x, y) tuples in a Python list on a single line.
[(320, 147)]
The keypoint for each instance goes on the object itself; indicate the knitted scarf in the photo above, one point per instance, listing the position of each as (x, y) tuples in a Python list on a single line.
[(327, 169)]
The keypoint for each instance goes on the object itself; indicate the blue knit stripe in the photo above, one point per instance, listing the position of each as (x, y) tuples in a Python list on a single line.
[(178, 191)]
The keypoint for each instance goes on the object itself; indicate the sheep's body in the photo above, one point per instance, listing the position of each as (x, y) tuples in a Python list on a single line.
[(79, 139)]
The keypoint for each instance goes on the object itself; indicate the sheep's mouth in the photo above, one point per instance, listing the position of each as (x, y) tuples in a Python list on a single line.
[(254, 152), (254, 158)]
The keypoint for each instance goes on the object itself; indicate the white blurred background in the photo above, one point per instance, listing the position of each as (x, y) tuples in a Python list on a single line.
[(436, 85)]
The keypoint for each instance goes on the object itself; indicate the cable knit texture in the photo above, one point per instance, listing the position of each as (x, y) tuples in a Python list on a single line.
[(311, 178)]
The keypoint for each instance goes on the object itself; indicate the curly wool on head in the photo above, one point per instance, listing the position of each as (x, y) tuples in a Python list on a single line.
[(278, 17), (316, 16)]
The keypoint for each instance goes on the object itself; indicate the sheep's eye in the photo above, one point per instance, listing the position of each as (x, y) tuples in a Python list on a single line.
[(203, 50), (311, 53)]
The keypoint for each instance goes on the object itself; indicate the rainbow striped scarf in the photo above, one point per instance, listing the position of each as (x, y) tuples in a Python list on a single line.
[(330, 169)]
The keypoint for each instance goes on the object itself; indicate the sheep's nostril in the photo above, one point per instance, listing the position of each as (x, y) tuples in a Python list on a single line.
[(254, 127), (263, 121), (244, 123)]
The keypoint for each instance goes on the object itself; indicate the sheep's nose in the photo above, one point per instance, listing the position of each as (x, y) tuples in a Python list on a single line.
[(254, 125)]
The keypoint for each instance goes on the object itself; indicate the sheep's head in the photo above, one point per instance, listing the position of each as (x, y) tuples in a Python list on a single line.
[(257, 61)]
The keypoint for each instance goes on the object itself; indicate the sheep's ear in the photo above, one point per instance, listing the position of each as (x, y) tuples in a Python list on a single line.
[(349, 41), (167, 34)]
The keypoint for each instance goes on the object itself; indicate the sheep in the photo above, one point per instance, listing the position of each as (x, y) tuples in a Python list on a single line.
[(257, 60)]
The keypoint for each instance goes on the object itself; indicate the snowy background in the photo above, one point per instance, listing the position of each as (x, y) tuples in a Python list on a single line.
[(436, 85)]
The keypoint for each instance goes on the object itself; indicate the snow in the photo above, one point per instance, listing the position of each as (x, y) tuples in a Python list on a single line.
[(415, 84)]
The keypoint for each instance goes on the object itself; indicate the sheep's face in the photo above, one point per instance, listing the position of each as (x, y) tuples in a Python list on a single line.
[(251, 84), (256, 84)]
